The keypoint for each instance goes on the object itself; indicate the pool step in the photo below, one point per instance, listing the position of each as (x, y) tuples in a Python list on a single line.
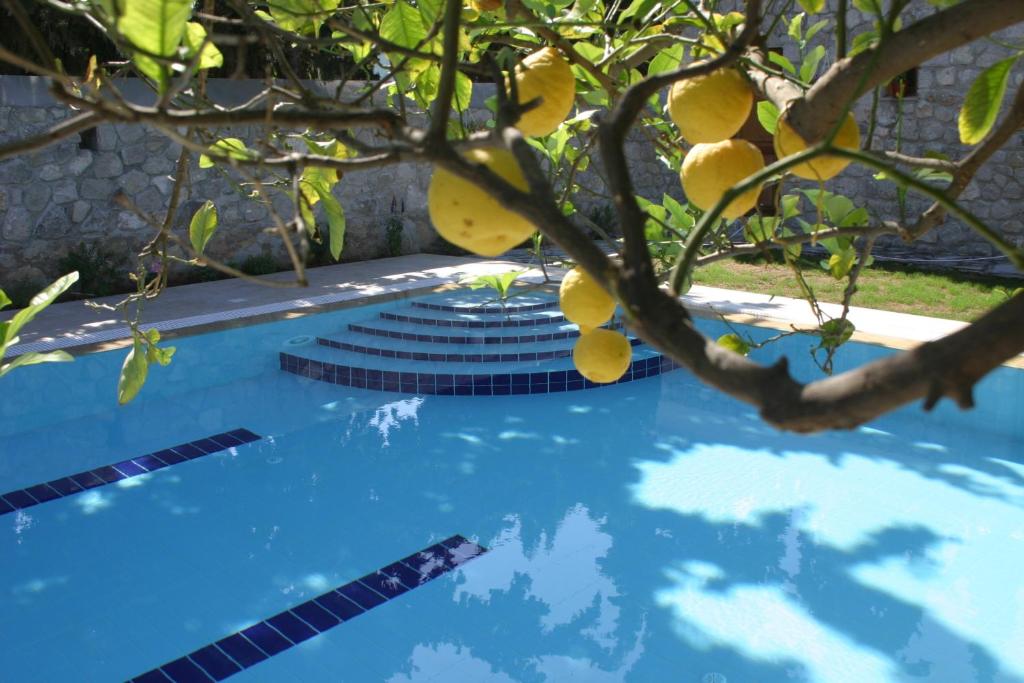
[(455, 344)]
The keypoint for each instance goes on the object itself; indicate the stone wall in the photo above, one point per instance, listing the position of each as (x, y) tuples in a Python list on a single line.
[(53, 199), (928, 123)]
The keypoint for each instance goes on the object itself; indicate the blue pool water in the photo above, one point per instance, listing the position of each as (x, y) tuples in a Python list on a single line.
[(648, 531)]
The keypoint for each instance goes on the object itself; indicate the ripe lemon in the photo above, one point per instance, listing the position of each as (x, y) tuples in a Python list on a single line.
[(471, 218), (710, 169), (583, 301), (602, 355), (787, 141), (710, 108), (547, 75)]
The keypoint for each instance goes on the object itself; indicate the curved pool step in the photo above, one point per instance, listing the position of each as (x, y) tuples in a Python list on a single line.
[(442, 347), (477, 302), (474, 320), (416, 377), (456, 353)]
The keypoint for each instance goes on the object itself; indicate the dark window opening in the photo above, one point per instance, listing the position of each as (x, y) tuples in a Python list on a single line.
[(87, 139), (904, 85)]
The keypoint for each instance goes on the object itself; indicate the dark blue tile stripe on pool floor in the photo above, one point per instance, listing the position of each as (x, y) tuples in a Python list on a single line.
[(276, 634), (108, 474)]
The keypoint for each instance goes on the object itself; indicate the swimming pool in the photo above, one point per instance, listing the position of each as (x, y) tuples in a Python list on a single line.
[(653, 530)]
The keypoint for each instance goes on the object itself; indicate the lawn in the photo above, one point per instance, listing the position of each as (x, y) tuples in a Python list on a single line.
[(931, 294)]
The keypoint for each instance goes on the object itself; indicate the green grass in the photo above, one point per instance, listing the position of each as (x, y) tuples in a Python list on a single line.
[(931, 294)]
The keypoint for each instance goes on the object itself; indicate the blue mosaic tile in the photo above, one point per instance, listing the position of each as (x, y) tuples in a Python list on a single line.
[(291, 627), (184, 670), (214, 662), (316, 616), (151, 677), (276, 634), (243, 652), (108, 474), (266, 638)]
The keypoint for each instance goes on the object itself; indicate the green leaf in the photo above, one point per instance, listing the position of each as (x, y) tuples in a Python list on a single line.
[(812, 6), (403, 25), (5, 301), (734, 343), (203, 225), (210, 57), (133, 372), (768, 116), (839, 264), (335, 221), (796, 27), (760, 229), (809, 67), (154, 27), (666, 60), (226, 148), (302, 16), (10, 330), (981, 106), (781, 61), (814, 29), (33, 358), (463, 91), (835, 333)]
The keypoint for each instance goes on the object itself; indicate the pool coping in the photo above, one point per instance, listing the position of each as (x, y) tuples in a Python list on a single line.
[(406, 277)]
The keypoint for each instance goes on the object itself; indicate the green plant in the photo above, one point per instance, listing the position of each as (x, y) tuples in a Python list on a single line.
[(259, 264), (9, 328), (393, 230), (501, 283), (102, 269)]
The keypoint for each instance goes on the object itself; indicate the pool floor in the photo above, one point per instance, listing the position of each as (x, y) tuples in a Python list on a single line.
[(654, 531)]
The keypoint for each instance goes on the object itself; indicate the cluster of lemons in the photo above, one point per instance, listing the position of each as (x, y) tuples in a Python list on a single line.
[(709, 110)]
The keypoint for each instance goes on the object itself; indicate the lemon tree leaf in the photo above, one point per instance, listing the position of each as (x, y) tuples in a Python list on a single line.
[(666, 60), (812, 6), (781, 61), (202, 226), (835, 333), (463, 91), (33, 358), (335, 220), (734, 343), (403, 25), (227, 148), (133, 372), (10, 328), (981, 106), (768, 116), (840, 263), (5, 300), (210, 57), (809, 67), (154, 27)]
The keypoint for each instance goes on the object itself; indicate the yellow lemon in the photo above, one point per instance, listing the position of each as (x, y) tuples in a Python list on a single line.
[(787, 141), (602, 355), (469, 217), (583, 301), (712, 168), (710, 108), (547, 75)]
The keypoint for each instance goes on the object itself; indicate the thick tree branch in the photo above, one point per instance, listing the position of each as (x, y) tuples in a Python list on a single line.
[(814, 115), (65, 128)]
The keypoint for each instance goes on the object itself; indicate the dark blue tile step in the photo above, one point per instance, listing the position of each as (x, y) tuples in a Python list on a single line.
[(459, 302), (476, 380), (133, 467), (479, 321), (454, 353), (250, 646), (391, 329)]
